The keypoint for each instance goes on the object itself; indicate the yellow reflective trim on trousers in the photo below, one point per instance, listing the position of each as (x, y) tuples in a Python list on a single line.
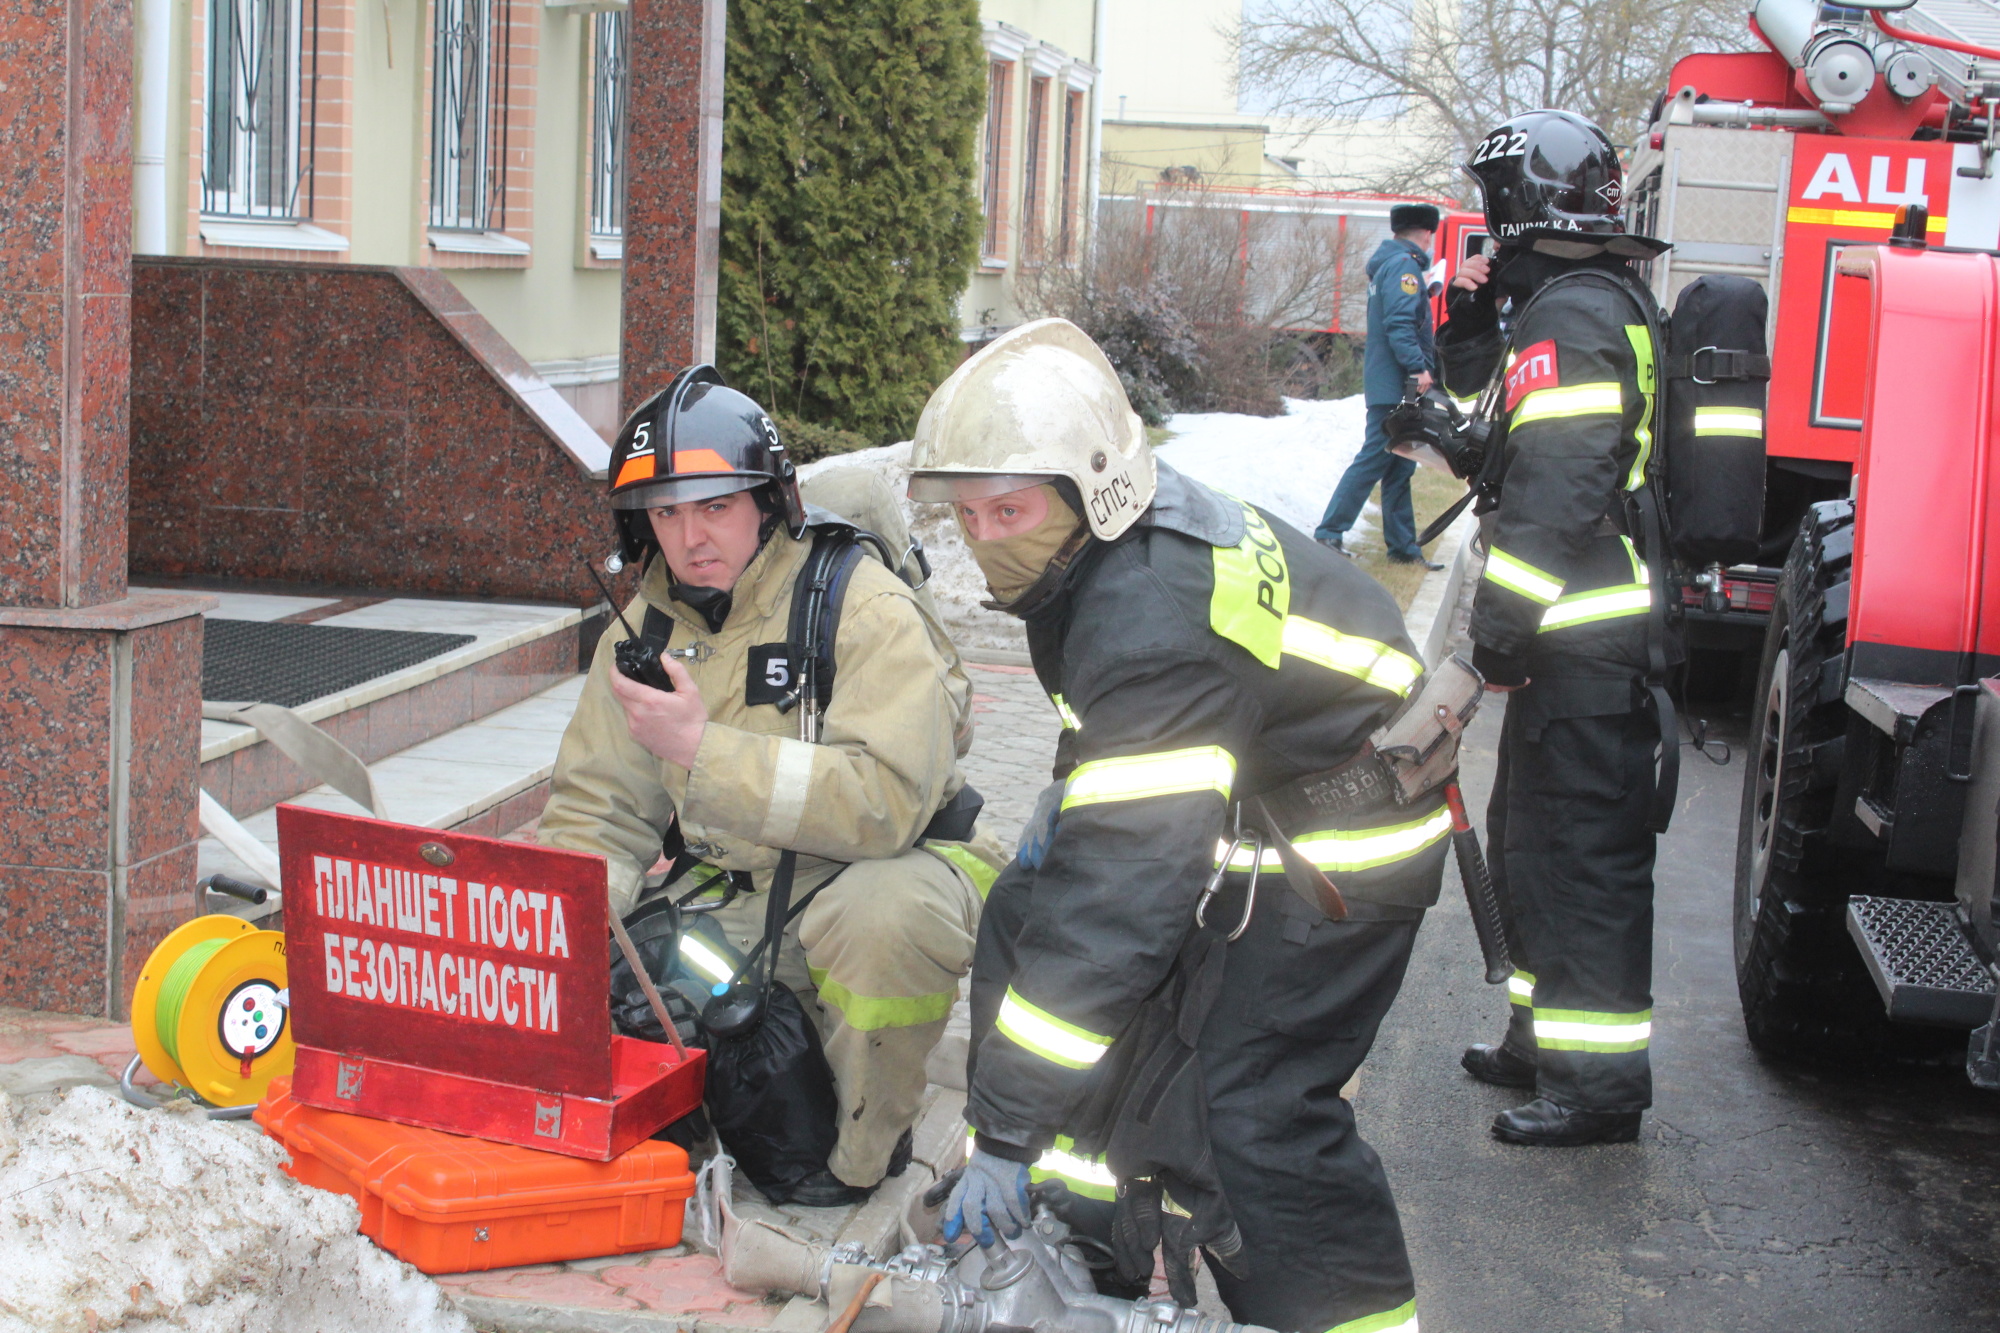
[(1606, 603), (1589, 1031), (1368, 661), (1521, 989), (1042, 1033), (1066, 713), (1648, 376), (1748, 421), (1084, 1175), (1603, 398), (1517, 575), (868, 1013), (1253, 590), (1402, 1319), (1355, 849), (981, 874), (1088, 1176), (1136, 776)]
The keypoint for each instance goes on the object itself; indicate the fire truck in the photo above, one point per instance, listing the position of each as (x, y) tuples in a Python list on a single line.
[(1852, 168)]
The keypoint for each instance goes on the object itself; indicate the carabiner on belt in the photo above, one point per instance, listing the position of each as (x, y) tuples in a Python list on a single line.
[(1255, 838)]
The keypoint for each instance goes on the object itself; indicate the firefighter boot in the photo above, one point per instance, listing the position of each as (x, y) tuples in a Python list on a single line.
[(1543, 1124), (1498, 1065)]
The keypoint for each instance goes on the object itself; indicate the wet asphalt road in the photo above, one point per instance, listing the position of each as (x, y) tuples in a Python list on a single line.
[(1760, 1197)]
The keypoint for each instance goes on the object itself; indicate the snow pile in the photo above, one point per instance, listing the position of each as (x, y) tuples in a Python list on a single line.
[(116, 1218), (956, 584), (1288, 465)]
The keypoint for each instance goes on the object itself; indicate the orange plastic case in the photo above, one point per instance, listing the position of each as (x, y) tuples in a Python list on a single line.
[(448, 1204)]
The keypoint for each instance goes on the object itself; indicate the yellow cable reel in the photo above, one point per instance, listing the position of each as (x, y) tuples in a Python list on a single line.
[(210, 1010)]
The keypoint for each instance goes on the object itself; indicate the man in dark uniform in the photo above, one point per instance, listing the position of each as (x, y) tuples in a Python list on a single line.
[(1218, 675), (1564, 619), (1399, 346)]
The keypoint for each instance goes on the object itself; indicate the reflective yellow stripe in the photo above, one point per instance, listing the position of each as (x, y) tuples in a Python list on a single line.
[(1641, 339), (1855, 217), (1253, 590), (1044, 1034), (1621, 599), (1402, 1319), (1570, 400), (1366, 660), (1583, 1030), (1607, 603), (1728, 421), (1521, 989), (981, 874), (1088, 1176), (1135, 776), (704, 961), (870, 1013), (1063, 711), (1519, 576), (1354, 849)]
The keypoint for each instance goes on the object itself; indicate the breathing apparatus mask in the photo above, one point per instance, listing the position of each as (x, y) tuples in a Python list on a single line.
[(1428, 428)]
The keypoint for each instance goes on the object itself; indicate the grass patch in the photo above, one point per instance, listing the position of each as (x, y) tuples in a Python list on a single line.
[(1158, 435), (1431, 493)]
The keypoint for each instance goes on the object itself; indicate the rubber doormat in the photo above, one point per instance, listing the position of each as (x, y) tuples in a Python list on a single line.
[(258, 661)]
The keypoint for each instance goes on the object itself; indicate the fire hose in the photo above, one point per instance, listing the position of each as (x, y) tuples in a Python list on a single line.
[(1039, 1280)]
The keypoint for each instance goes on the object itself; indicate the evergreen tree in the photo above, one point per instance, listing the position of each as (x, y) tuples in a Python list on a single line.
[(849, 225)]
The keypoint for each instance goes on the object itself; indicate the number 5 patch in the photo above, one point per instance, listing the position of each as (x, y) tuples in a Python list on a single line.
[(771, 678)]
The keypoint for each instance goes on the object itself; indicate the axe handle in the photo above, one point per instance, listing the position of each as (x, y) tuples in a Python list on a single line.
[(1479, 895)]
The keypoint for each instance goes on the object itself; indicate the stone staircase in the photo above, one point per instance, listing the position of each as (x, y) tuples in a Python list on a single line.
[(465, 739)]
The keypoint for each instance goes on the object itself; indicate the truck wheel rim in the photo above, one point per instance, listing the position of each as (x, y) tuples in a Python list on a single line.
[(1764, 801)]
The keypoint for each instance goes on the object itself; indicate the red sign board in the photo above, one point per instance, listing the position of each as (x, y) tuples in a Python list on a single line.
[(463, 983)]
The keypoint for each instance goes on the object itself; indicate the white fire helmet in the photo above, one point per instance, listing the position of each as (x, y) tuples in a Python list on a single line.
[(1037, 403)]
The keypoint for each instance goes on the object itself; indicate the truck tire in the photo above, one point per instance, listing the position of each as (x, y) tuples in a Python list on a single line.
[(1804, 989)]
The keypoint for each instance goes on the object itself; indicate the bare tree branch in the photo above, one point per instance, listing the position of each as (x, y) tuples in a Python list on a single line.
[(1438, 75)]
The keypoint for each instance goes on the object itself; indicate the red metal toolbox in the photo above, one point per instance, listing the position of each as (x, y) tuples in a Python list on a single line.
[(462, 983), (449, 1204)]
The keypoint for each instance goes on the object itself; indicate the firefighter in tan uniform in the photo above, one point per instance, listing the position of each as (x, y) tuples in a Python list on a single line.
[(704, 494)]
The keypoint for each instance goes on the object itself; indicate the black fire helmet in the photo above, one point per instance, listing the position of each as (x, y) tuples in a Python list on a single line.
[(694, 440), (1552, 175)]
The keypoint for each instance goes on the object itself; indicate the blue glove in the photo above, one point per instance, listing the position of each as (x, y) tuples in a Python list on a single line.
[(1040, 830), (992, 1189)]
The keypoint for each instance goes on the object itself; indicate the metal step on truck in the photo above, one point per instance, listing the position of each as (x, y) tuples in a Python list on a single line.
[(1852, 168)]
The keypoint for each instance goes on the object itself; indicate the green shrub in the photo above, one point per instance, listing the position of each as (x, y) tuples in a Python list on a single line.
[(808, 441), (849, 224)]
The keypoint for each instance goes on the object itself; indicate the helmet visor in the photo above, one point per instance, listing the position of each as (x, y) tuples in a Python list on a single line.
[(942, 488), (685, 490)]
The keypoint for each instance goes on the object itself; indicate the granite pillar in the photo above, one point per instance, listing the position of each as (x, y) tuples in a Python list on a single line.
[(673, 191), (99, 692)]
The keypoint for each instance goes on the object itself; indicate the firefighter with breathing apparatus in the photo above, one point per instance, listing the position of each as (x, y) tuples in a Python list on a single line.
[(1214, 904), (733, 767), (1567, 618)]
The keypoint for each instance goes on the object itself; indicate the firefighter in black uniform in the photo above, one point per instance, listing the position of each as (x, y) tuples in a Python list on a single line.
[(1201, 655), (1564, 618)]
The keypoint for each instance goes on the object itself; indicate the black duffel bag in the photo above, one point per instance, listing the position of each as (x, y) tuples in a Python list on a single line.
[(770, 1090)]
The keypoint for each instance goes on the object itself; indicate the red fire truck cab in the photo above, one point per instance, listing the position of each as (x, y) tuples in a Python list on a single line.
[(1851, 169)]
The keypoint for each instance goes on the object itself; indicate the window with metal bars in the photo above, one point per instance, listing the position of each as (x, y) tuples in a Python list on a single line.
[(469, 96), (1072, 145), (607, 126), (262, 85), (1033, 196), (993, 183)]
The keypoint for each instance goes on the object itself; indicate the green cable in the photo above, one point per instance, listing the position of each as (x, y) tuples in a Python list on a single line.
[(173, 993)]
